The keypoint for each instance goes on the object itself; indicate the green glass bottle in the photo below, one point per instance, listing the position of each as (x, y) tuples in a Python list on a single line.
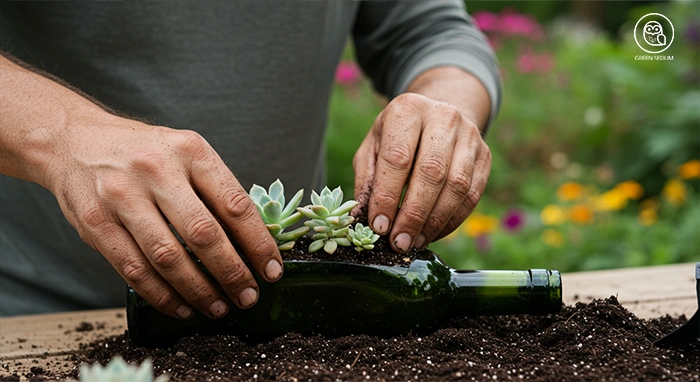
[(336, 299)]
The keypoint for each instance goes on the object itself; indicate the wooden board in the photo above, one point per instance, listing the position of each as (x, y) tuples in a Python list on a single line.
[(48, 340)]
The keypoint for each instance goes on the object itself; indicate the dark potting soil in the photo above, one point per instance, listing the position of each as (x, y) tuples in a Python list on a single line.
[(599, 341)]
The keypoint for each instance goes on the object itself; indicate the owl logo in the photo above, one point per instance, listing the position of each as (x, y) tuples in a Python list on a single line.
[(654, 34)]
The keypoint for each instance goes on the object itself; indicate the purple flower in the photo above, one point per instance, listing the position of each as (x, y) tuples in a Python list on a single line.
[(513, 220), (482, 243), (347, 73), (692, 34)]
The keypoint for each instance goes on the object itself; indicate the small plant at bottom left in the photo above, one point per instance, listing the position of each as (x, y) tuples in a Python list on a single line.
[(117, 370)]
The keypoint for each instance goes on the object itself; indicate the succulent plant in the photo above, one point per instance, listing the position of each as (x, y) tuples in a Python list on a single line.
[(329, 219), (363, 237), (276, 215), (117, 370)]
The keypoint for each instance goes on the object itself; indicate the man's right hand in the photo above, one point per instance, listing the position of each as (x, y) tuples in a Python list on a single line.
[(121, 182)]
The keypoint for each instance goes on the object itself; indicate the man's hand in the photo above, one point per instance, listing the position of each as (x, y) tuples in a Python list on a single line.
[(121, 183), (432, 149), (124, 182)]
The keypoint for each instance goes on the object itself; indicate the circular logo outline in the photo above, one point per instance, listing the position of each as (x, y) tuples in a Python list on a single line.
[(673, 32)]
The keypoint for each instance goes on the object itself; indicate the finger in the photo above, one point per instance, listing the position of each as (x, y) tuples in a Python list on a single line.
[(233, 206), (207, 239), (427, 178), (399, 130), (170, 259), (363, 164), (454, 191), (482, 169), (119, 248)]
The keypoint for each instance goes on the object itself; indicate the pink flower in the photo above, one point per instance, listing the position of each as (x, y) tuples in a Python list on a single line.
[(347, 73), (513, 220), (531, 63), (487, 21), (517, 24)]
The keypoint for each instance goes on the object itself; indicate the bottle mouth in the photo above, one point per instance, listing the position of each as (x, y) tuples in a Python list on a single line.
[(545, 291)]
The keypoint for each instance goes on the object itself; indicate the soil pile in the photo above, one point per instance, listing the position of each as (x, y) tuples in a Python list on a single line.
[(600, 341)]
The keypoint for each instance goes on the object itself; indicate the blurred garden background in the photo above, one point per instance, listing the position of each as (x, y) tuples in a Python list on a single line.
[(596, 156)]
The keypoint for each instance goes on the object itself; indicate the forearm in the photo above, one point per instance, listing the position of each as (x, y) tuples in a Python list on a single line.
[(36, 114), (457, 87)]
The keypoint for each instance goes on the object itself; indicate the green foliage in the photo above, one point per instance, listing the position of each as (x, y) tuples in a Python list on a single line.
[(117, 370), (329, 219), (276, 215), (363, 237), (587, 112)]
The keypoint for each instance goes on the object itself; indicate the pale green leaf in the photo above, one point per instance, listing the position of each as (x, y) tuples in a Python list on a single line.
[(272, 210), (330, 246), (345, 208), (256, 192), (342, 241), (293, 204), (316, 245), (277, 191)]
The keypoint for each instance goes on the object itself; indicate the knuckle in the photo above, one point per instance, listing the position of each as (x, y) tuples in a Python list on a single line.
[(199, 293), (238, 205), (150, 162), (414, 217), (383, 199), (95, 217), (398, 157), (459, 182), (473, 198), (235, 276), (450, 113), (193, 142), (432, 225), (264, 246), (162, 300), (166, 255), (136, 272), (114, 187), (202, 232), (433, 171)]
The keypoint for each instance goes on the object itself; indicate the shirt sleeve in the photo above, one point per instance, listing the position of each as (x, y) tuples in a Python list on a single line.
[(395, 41)]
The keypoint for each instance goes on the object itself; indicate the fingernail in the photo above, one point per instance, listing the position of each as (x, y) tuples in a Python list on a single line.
[(403, 242), (420, 241), (218, 308), (273, 270), (381, 224), (248, 297), (184, 312)]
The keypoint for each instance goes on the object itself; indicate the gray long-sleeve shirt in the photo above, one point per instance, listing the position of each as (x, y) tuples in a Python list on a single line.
[(253, 78)]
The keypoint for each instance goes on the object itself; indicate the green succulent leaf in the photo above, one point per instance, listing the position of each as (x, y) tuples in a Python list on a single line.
[(320, 211), (277, 191), (274, 228), (342, 241), (341, 232), (256, 192), (345, 208), (328, 202), (322, 229), (337, 197), (272, 210), (293, 204), (286, 246), (357, 242), (315, 198), (292, 235), (330, 247), (320, 236), (316, 245), (306, 211), (333, 220), (289, 220)]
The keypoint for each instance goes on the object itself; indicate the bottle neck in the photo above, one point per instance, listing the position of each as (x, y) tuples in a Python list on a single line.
[(535, 291)]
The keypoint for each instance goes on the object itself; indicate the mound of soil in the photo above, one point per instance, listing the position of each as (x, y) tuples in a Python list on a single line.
[(599, 341)]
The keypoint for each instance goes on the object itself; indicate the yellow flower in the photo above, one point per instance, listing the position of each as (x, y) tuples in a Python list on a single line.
[(479, 224), (647, 216), (649, 204), (675, 192), (631, 189), (690, 169), (570, 191), (612, 200), (552, 215), (581, 214), (553, 238)]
